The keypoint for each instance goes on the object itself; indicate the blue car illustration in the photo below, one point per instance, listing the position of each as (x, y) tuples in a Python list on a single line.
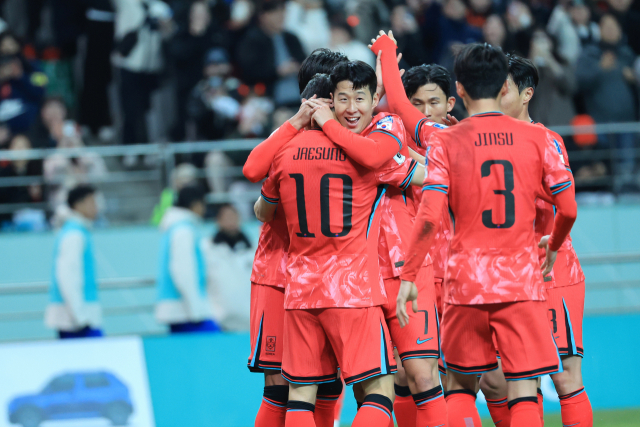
[(73, 396)]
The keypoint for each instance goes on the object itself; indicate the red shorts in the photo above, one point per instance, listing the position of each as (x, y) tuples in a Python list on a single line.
[(437, 281), (522, 333), (566, 308), (421, 337), (439, 294), (320, 340), (267, 324)]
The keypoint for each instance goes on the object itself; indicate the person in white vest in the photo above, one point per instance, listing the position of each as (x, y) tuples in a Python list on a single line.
[(74, 308), (182, 285)]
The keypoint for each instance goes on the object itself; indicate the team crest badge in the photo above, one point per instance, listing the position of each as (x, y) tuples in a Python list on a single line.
[(271, 344), (386, 123)]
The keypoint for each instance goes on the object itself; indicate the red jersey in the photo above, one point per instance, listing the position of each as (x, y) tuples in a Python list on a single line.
[(270, 261), (569, 272), (440, 248), (395, 221), (331, 207), (493, 167)]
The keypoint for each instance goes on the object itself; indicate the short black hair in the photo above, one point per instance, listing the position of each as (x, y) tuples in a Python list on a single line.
[(482, 69), (189, 195), (79, 193), (421, 75), (523, 72), (357, 72), (321, 60), (320, 85)]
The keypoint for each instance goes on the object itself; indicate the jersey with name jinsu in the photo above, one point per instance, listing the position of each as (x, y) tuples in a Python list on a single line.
[(493, 168), (331, 204)]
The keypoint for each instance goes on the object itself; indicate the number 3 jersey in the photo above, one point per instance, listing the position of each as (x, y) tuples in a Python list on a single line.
[(331, 205), (493, 168)]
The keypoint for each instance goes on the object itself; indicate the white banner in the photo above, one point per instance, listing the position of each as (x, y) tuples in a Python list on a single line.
[(72, 383)]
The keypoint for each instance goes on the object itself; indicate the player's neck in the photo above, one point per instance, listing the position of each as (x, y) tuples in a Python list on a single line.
[(479, 106), (524, 115)]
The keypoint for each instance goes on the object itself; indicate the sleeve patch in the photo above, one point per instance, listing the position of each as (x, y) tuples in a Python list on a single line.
[(559, 152), (435, 125), (386, 123)]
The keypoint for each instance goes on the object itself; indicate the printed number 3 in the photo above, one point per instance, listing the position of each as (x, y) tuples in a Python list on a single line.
[(509, 199)]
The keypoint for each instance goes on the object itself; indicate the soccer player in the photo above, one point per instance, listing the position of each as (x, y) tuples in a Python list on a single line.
[(423, 101), (334, 291), (269, 269), (491, 167), (565, 287)]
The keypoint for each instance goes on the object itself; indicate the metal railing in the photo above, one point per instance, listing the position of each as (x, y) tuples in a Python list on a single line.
[(167, 153)]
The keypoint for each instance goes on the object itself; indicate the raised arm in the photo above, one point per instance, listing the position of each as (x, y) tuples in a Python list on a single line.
[(399, 104), (259, 161), (371, 151)]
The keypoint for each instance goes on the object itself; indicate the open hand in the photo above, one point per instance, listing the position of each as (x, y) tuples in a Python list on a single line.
[(550, 259), (322, 112), (407, 292), (450, 120)]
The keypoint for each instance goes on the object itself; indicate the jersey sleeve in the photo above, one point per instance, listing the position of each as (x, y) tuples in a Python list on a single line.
[(371, 151), (435, 191), (437, 167), (412, 118), (259, 161), (558, 181), (398, 172), (270, 190)]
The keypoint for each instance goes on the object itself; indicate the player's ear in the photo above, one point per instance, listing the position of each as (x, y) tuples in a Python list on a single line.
[(505, 88), (460, 89), (376, 99), (528, 94), (451, 102)]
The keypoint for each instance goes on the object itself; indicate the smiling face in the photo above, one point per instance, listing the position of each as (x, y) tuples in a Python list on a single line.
[(354, 107), (432, 102)]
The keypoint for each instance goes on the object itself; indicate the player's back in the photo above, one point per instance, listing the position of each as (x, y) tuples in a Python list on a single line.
[(330, 204), (495, 175)]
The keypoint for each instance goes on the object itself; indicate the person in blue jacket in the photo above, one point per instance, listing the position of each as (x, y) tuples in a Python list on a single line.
[(182, 297), (74, 307)]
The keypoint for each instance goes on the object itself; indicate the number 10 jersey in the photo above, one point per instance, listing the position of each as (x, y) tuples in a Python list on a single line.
[(332, 207), (493, 168)]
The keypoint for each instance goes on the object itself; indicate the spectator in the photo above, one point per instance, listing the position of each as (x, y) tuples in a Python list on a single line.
[(213, 107), (495, 33), (407, 34), (141, 26), (74, 307), (629, 19), (565, 32), (63, 172), (184, 174), (520, 25), (605, 79), (445, 26), (478, 12), (182, 295), (22, 87), (188, 49), (553, 100), (342, 40), (31, 193), (269, 55), (229, 232), (94, 108), (308, 20), (588, 31)]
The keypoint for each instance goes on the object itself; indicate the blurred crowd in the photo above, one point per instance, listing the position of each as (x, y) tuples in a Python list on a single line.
[(76, 72)]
